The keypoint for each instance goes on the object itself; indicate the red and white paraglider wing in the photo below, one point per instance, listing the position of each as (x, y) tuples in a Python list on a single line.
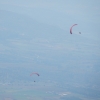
[(72, 28), (35, 74)]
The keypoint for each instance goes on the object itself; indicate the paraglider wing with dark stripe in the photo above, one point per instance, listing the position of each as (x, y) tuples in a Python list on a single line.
[(35, 74), (71, 28)]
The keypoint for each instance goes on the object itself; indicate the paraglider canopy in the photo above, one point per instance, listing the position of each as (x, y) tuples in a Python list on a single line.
[(72, 28), (34, 73)]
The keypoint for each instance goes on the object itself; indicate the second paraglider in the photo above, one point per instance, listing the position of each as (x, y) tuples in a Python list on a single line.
[(34, 73)]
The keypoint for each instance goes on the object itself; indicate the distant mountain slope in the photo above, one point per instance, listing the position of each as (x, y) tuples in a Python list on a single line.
[(23, 39), (19, 35), (16, 24)]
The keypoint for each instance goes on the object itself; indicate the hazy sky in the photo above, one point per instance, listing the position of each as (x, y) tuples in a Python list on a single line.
[(37, 32), (80, 8), (60, 13)]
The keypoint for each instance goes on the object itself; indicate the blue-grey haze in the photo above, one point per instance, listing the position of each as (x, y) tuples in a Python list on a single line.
[(34, 37)]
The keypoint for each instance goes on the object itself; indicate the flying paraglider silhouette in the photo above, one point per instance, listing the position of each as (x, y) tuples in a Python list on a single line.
[(34, 74), (72, 29)]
